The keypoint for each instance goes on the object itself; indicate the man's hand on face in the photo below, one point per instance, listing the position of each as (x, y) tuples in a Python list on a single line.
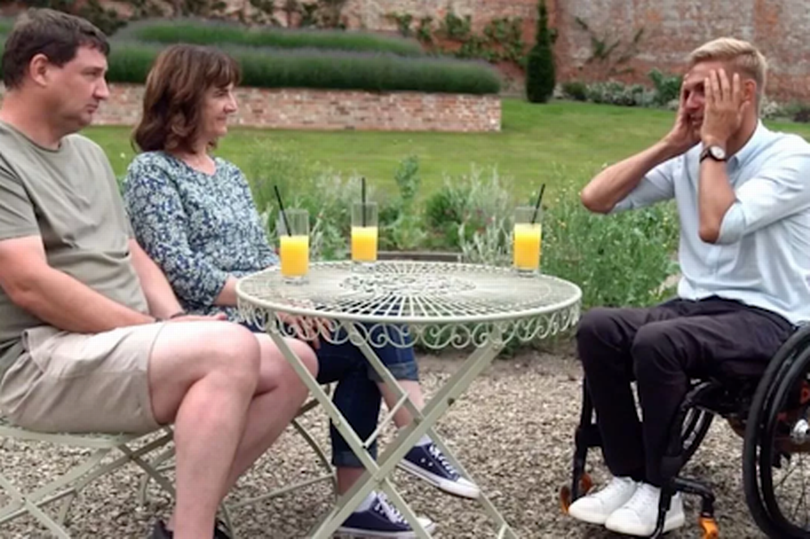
[(725, 108), (683, 135)]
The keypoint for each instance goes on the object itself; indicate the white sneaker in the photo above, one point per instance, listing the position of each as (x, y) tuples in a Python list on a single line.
[(637, 517), (596, 508)]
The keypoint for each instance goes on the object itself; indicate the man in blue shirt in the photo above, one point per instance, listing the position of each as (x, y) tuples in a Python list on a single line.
[(743, 198)]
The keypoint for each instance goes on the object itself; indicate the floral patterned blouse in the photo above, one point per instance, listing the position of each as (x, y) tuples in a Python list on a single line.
[(199, 228)]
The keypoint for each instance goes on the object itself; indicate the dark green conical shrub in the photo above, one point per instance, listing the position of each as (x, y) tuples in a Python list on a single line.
[(540, 73)]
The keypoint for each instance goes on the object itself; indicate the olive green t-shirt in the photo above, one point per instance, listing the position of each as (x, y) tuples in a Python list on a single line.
[(70, 198)]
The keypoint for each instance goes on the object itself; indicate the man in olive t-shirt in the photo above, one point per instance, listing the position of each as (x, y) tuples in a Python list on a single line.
[(92, 337), (69, 196)]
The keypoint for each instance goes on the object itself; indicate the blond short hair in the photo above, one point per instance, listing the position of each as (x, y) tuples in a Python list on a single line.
[(742, 55)]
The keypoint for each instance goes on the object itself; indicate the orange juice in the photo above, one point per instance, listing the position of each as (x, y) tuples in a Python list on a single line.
[(528, 246), (294, 253), (364, 243)]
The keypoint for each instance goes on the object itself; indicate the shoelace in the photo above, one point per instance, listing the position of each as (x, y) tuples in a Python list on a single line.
[(438, 455), (609, 491), (390, 512), (643, 498)]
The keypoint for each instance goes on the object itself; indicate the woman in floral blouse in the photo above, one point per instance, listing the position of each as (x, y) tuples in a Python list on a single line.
[(194, 214)]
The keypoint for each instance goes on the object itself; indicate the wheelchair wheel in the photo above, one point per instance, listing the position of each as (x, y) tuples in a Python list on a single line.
[(776, 452)]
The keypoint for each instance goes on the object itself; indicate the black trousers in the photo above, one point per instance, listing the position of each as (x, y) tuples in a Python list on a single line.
[(662, 348)]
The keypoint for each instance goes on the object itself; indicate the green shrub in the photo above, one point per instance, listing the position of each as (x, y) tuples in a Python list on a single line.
[(130, 62), (328, 197), (617, 93), (540, 75), (292, 173), (444, 212), (801, 114), (773, 110), (617, 260), (221, 33), (466, 205), (667, 87), (576, 90), (401, 219), (269, 68), (325, 195)]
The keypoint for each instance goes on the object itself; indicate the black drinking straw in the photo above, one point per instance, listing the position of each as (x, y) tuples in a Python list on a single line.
[(283, 213), (363, 207), (537, 204)]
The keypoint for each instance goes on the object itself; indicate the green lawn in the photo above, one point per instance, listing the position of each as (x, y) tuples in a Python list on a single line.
[(538, 143)]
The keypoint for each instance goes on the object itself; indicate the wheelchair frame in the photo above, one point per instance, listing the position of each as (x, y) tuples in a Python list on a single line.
[(755, 409)]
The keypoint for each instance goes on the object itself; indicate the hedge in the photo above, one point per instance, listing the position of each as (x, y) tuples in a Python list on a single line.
[(223, 33), (130, 61), (274, 68)]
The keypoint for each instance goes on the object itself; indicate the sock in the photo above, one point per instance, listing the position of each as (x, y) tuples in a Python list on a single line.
[(367, 503)]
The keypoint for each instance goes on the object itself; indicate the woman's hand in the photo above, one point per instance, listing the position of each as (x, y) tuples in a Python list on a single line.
[(219, 317), (306, 328)]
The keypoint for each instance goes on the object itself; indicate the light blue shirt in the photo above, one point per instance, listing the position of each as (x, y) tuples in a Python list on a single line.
[(762, 256)]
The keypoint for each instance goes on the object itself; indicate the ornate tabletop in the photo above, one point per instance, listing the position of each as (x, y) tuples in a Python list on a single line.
[(439, 304)]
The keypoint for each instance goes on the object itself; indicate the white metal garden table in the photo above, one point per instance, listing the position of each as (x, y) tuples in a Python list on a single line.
[(439, 305)]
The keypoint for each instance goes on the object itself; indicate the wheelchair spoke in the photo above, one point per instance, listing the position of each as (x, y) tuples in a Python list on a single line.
[(782, 481), (801, 499)]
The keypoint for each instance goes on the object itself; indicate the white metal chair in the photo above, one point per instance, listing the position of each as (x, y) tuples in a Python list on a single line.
[(164, 462), (133, 448), (67, 487)]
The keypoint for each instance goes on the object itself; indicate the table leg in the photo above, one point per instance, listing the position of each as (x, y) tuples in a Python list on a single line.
[(377, 474), (504, 530), (424, 420), (348, 502)]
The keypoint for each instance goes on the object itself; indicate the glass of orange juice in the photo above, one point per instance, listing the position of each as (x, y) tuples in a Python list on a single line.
[(527, 242), (364, 233), (293, 237)]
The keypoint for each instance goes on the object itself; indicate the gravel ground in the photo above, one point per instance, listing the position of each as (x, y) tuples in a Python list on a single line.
[(512, 430)]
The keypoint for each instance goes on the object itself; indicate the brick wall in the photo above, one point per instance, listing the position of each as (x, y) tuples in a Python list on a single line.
[(674, 27), (334, 110), (372, 13)]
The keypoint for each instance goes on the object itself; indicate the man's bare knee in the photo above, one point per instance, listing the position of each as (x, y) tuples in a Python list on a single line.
[(187, 352), (235, 352), (277, 372)]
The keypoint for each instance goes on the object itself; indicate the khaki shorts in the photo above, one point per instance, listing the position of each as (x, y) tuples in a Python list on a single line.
[(71, 382)]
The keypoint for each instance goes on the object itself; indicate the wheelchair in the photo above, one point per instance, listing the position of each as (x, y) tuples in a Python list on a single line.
[(771, 413)]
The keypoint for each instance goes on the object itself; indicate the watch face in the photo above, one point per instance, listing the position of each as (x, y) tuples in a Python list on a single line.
[(717, 152)]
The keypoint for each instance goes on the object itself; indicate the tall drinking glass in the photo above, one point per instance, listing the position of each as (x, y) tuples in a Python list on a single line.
[(528, 240), (364, 233), (293, 237)]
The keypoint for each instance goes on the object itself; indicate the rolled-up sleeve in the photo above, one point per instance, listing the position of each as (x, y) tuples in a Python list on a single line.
[(779, 190), (161, 224), (656, 186)]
